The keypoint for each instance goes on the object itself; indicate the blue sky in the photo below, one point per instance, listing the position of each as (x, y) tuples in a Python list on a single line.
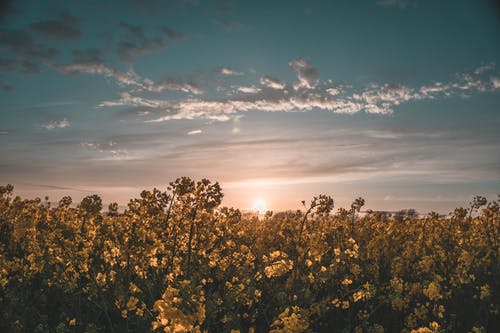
[(396, 101)]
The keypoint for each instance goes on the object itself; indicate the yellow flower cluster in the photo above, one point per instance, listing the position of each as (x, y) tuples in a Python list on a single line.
[(176, 261)]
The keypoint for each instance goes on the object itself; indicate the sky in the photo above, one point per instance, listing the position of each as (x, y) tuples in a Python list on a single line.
[(396, 101)]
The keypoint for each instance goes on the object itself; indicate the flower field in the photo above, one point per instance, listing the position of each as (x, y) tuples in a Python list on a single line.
[(176, 261)]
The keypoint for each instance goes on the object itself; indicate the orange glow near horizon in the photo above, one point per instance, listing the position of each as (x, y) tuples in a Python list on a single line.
[(259, 204)]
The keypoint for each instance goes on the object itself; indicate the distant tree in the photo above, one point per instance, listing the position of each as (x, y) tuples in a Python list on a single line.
[(477, 202), (405, 214), (356, 207), (113, 209), (65, 202), (91, 205)]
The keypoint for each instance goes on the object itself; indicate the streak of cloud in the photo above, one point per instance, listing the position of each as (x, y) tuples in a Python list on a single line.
[(227, 71), (308, 95), (272, 82), (56, 124), (249, 90)]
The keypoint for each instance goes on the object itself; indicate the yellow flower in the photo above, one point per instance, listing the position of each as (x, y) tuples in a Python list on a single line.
[(485, 292), (357, 296), (433, 326), (433, 291), (347, 282), (133, 288), (132, 303)]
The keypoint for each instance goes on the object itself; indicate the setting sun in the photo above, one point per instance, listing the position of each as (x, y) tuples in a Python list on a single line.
[(259, 204)]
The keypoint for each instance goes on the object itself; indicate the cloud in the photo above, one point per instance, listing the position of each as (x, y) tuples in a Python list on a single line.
[(484, 68), (227, 71), (222, 110), (110, 149), (249, 90), (375, 98), (99, 146), (64, 27), (272, 82), (434, 88), (463, 84), (495, 81), (306, 73), (138, 43), (127, 50), (381, 99), (28, 53), (128, 99), (85, 67), (173, 85), (56, 124), (333, 91), (99, 68), (194, 132)]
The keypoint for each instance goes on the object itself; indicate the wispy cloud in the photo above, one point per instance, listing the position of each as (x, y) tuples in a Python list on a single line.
[(249, 90), (227, 71), (381, 99), (495, 81), (109, 150), (56, 124), (129, 78), (29, 54), (99, 68), (272, 82), (33, 45), (307, 94), (138, 42), (333, 91), (173, 85), (306, 73)]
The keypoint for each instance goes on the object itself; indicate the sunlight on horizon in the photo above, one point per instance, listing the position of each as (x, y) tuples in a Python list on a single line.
[(259, 205)]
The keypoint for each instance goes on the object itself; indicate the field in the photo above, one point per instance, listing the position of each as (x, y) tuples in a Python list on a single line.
[(176, 261)]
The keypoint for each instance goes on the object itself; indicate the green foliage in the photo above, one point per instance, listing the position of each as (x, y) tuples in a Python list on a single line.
[(176, 261)]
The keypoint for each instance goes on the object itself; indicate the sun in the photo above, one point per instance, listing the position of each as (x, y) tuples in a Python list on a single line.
[(259, 204)]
